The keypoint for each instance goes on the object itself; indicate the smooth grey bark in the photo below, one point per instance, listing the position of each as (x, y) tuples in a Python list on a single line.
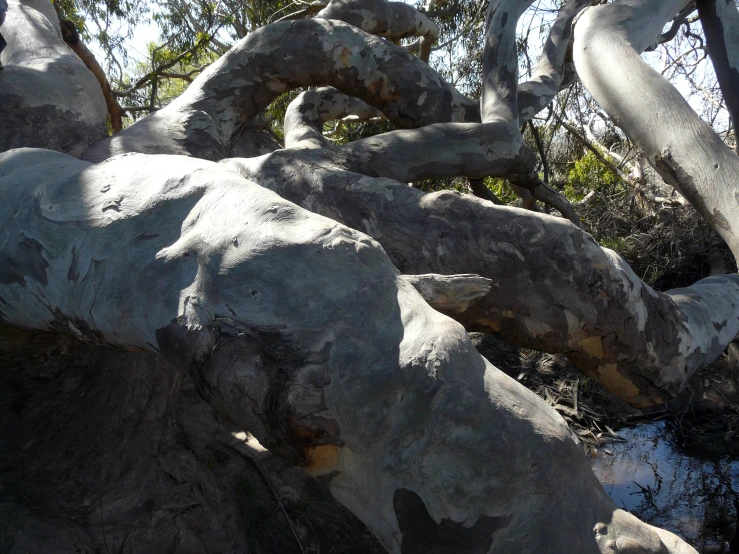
[(683, 149), (281, 57), (301, 331), (550, 72), (587, 303), (391, 20), (499, 100), (48, 98), (720, 21), (305, 116)]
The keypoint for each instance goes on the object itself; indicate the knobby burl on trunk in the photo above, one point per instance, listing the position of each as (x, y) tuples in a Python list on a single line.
[(295, 286)]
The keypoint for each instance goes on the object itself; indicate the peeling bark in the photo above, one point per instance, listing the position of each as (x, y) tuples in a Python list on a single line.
[(48, 98), (302, 331), (450, 293)]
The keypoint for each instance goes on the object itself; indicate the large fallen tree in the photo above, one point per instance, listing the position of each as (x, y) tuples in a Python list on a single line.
[(295, 286)]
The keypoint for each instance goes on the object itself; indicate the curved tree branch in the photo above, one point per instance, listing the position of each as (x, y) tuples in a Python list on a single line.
[(499, 100), (302, 332), (554, 289), (548, 75), (306, 115), (683, 149), (48, 98), (392, 20), (281, 57)]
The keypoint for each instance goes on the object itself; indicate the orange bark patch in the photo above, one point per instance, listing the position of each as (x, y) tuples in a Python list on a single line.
[(611, 378), (593, 346), (345, 57), (323, 459)]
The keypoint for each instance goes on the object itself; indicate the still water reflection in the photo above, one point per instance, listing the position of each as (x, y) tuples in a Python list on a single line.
[(695, 497)]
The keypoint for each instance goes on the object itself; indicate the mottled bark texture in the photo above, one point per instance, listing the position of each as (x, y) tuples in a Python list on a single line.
[(554, 288), (306, 115), (48, 98), (306, 333), (281, 57), (391, 20), (301, 331)]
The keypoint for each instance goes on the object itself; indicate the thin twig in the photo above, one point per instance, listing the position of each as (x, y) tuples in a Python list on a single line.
[(271, 488)]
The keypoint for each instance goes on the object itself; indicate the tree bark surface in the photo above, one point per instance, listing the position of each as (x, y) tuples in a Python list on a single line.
[(681, 147), (302, 331), (48, 98)]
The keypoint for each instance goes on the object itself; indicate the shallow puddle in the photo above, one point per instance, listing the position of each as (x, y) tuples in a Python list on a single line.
[(694, 497)]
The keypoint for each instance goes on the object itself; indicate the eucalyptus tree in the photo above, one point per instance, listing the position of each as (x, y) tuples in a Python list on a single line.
[(311, 295)]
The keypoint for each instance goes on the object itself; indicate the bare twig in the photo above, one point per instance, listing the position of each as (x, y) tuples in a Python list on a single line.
[(267, 481)]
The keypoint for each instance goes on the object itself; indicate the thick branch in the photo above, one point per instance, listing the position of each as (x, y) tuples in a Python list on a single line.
[(685, 151), (302, 332), (473, 150), (48, 98), (392, 20), (720, 20), (548, 75), (281, 57), (306, 115), (500, 61), (554, 288)]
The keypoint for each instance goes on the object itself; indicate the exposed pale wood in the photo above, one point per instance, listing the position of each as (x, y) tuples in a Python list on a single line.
[(450, 293)]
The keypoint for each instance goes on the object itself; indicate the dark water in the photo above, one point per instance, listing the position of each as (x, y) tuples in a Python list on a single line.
[(694, 496)]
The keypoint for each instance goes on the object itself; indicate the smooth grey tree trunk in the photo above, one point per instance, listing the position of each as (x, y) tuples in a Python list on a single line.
[(48, 98), (302, 332)]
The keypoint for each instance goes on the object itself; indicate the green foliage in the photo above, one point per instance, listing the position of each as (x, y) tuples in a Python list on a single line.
[(501, 189), (94, 20), (589, 173)]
